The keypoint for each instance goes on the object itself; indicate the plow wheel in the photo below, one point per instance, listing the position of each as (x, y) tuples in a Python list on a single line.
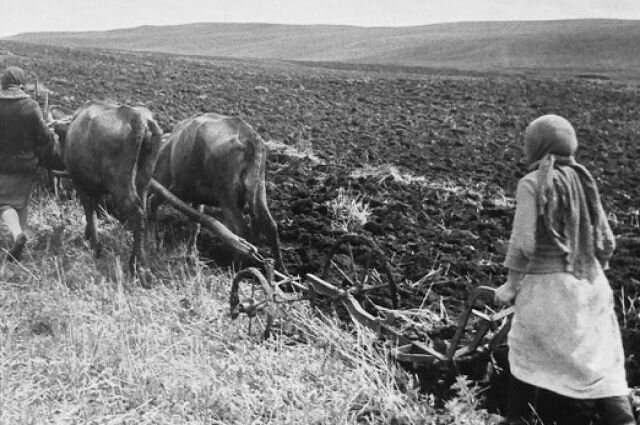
[(252, 296), (356, 263)]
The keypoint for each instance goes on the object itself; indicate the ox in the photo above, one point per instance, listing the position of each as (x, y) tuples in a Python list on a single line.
[(111, 150), (215, 160)]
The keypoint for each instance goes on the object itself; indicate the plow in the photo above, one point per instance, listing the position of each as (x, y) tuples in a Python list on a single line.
[(355, 275)]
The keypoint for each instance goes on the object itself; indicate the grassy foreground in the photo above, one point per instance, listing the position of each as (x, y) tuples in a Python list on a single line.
[(81, 343)]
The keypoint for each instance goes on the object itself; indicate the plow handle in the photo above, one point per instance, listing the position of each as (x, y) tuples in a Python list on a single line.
[(478, 293)]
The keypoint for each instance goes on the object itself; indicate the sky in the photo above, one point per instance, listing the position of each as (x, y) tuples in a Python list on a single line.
[(19, 16)]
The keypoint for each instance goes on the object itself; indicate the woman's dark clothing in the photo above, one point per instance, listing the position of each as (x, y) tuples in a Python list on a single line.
[(546, 407), (23, 133), (24, 137), (15, 190)]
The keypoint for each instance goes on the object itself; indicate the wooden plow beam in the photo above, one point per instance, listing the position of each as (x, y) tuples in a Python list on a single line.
[(234, 242)]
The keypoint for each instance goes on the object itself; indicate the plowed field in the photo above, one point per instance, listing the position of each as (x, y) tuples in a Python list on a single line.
[(436, 157)]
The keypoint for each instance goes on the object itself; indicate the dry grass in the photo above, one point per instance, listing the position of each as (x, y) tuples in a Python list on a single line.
[(348, 211), (83, 344), (446, 188), (303, 150)]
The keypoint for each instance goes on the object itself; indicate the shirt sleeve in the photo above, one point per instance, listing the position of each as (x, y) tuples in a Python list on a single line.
[(522, 242), (605, 241)]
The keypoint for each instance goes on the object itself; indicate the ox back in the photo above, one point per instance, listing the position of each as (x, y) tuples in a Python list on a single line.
[(215, 160), (111, 150)]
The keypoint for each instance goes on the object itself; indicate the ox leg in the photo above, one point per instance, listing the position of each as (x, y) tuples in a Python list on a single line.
[(91, 231), (54, 182), (152, 219), (139, 252), (193, 245), (138, 206), (233, 220), (138, 258), (263, 223)]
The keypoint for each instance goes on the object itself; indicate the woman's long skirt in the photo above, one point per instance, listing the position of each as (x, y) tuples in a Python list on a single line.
[(565, 337)]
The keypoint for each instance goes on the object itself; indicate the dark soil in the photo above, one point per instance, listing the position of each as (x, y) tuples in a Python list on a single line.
[(464, 131)]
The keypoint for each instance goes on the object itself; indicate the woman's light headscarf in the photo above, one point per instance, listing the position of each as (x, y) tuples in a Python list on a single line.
[(549, 134), (568, 192)]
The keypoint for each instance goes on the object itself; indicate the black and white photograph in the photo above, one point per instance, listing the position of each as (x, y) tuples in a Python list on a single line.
[(332, 212)]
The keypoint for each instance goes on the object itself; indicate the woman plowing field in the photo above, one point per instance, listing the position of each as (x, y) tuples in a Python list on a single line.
[(24, 137), (565, 342)]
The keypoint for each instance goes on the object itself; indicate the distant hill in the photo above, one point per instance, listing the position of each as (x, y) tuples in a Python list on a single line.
[(577, 45)]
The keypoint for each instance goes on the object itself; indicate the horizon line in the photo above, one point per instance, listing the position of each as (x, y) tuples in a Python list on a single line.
[(321, 25)]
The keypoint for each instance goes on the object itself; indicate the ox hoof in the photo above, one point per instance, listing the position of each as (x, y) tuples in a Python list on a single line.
[(147, 279)]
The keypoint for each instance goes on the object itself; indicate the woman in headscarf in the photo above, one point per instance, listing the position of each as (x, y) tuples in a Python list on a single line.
[(565, 340), (24, 136)]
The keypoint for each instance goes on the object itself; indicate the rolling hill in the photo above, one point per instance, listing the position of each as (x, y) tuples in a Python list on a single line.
[(575, 45)]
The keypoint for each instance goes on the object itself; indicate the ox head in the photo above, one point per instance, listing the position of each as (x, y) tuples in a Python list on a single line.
[(58, 119), (58, 136), (58, 113)]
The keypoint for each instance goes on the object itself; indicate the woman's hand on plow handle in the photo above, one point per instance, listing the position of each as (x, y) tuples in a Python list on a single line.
[(506, 293)]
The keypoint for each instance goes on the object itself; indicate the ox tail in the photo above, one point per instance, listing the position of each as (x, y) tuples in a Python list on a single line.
[(254, 179), (136, 136), (147, 137), (151, 145)]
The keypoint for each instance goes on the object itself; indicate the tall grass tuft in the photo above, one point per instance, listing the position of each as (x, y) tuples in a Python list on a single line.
[(348, 211)]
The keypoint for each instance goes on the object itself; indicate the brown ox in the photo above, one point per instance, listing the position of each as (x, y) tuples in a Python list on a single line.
[(111, 150), (211, 159)]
